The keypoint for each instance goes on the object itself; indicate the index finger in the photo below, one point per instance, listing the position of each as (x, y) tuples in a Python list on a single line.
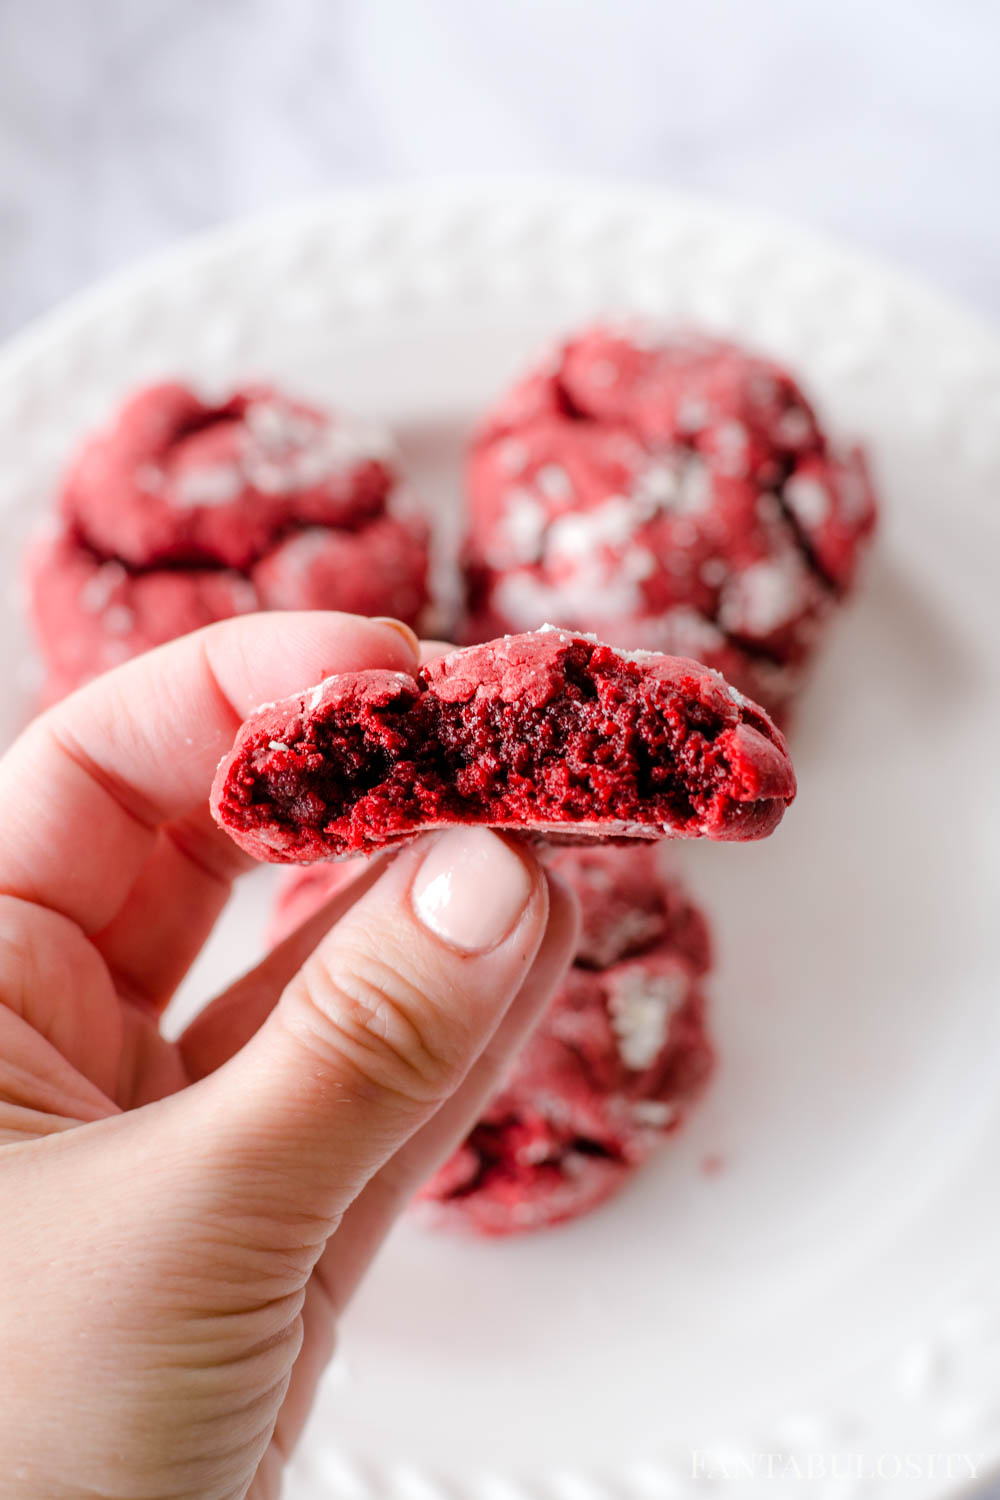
[(85, 788)]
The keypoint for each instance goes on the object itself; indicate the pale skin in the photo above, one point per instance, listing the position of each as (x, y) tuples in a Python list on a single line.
[(183, 1222)]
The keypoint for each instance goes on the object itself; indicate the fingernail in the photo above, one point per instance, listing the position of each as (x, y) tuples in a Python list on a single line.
[(471, 889), (404, 630)]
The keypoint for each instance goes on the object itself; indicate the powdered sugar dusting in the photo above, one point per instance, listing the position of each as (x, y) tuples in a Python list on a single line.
[(732, 447), (119, 620), (216, 485), (657, 485), (319, 692), (302, 549), (97, 592), (512, 455), (794, 427), (285, 450), (694, 494), (733, 693), (612, 523), (642, 1006), (243, 595), (635, 929), (593, 568), (554, 482), (692, 414), (657, 1113), (713, 572), (764, 597), (521, 531), (594, 640), (807, 499), (524, 598)]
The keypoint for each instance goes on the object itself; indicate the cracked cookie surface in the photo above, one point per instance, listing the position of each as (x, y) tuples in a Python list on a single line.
[(675, 493)]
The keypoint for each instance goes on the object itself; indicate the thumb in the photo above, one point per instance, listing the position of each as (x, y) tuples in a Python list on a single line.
[(372, 1035), (165, 1253)]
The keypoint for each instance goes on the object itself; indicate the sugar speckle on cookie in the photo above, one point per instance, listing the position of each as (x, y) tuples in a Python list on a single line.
[(181, 512)]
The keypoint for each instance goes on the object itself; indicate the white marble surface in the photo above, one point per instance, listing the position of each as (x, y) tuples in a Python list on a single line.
[(125, 124)]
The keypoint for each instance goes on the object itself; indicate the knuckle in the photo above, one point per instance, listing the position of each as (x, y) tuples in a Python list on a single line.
[(362, 1010)]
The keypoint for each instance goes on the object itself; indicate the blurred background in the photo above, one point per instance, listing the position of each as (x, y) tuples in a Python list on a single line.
[(126, 124)]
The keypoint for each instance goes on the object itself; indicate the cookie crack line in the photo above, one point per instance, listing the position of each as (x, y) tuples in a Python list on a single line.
[(550, 733)]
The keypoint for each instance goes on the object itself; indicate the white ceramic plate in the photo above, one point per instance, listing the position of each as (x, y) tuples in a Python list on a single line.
[(829, 1296)]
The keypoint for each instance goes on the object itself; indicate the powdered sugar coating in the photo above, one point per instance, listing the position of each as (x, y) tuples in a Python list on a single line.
[(641, 1007), (90, 616), (630, 900), (174, 479), (379, 568), (694, 482), (178, 513)]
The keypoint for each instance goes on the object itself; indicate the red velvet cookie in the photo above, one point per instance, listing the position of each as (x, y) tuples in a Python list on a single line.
[(174, 479), (90, 614), (611, 1069), (380, 569), (629, 902), (675, 494), (545, 732), (181, 513)]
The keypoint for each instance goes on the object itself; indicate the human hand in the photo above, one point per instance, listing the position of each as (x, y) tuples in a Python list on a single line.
[(184, 1221)]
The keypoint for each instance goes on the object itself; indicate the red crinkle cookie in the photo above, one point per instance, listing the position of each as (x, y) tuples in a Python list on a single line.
[(181, 513), (612, 1068), (672, 493), (174, 479), (630, 900), (379, 570), (547, 732), (92, 614)]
